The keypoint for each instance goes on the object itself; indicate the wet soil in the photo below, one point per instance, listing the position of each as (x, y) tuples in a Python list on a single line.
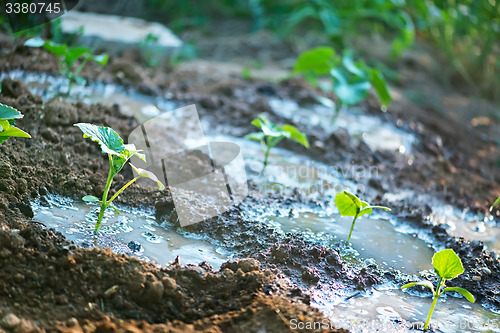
[(53, 285)]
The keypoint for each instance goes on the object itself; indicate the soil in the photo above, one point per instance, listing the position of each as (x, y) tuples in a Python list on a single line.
[(47, 283)]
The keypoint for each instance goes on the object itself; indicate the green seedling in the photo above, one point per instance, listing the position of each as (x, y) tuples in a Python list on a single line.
[(68, 56), (118, 153), (447, 266), (350, 205), (351, 81), (272, 134), (7, 121), (497, 201), (151, 50)]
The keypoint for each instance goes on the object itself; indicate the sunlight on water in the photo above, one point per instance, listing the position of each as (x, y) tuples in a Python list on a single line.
[(134, 233), (377, 238), (378, 134)]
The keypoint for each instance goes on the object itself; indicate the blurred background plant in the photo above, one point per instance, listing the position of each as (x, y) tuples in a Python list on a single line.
[(465, 33)]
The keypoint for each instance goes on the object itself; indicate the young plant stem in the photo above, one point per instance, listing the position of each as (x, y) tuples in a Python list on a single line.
[(338, 108), (105, 204), (105, 195), (434, 301), (121, 190), (266, 157), (352, 227)]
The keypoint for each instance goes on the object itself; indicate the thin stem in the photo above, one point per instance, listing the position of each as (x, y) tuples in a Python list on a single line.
[(352, 227), (80, 68), (105, 195), (338, 107), (266, 157), (121, 190), (436, 296)]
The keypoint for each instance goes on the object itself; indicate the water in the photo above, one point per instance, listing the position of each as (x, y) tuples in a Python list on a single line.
[(377, 134), (374, 237), (462, 223), (131, 232), (132, 104), (392, 310), (458, 222)]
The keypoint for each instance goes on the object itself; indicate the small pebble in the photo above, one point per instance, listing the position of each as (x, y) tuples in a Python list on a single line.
[(486, 270), (10, 321)]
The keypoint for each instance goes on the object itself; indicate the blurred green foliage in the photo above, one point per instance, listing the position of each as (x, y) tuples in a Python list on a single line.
[(350, 80), (339, 20), (465, 32), (468, 33)]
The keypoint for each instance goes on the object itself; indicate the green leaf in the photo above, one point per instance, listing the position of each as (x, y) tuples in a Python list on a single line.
[(349, 93), (351, 66), (296, 135), (101, 59), (347, 203), (117, 163), (267, 127), (319, 61), (14, 132), (106, 137), (462, 291), (148, 174), (111, 144), (75, 53), (325, 101), (330, 21), (4, 124), (55, 48), (34, 42), (350, 205), (90, 198), (297, 16), (447, 264), (497, 201), (258, 136), (8, 112), (425, 283), (365, 208), (380, 86)]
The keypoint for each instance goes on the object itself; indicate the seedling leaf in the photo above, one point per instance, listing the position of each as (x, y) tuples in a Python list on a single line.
[(346, 204), (55, 48), (425, 283), (106, 137), (8, 112), (463, 292), (148, 174), (34, 42), (14, 132), (380, 86), (326, 102), (497, 201), (447, 264), (273, 134), (318, 60), (349, 93), (351, 66), (101, 59), (75, 53), (90, 198), (258, 136), (296, 135)]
